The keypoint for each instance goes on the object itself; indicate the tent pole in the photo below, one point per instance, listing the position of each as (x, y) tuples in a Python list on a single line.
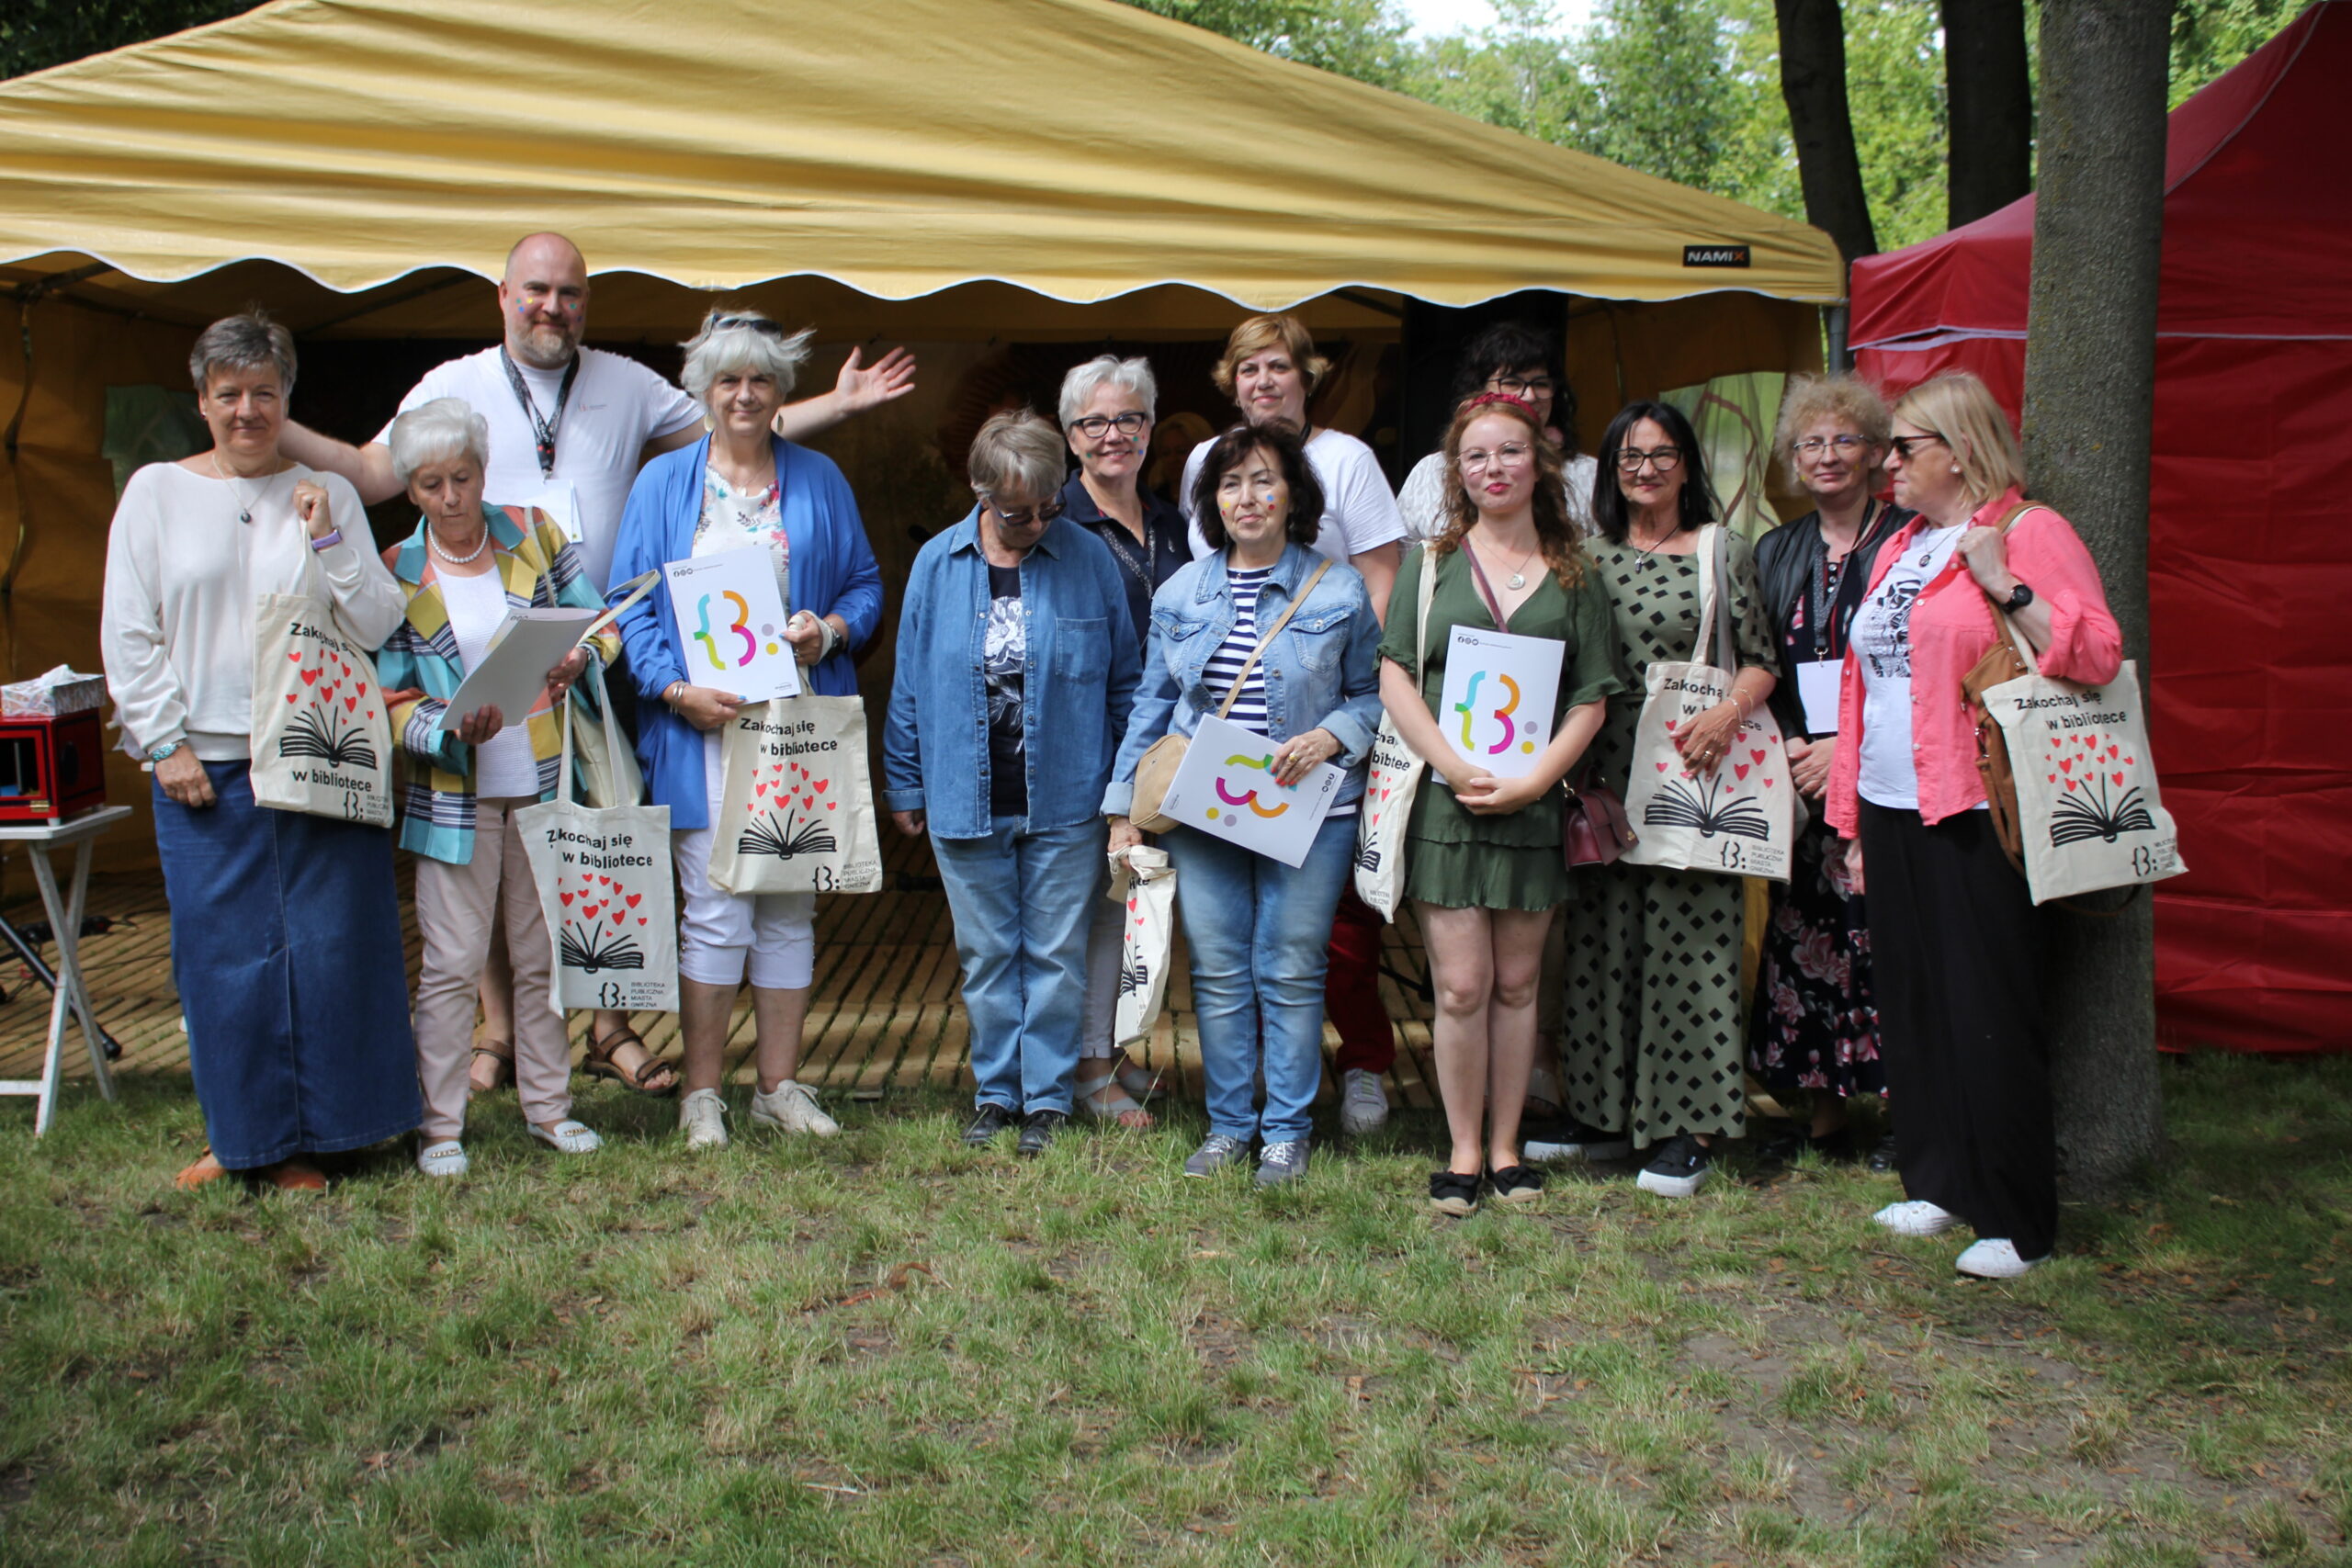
[(1833, 326)]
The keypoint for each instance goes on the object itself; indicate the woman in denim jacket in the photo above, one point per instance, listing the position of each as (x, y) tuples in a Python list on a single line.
[(1016, 666), (1258, 928)]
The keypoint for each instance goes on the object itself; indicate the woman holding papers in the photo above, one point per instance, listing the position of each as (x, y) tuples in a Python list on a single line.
[(1653, 1053), (1281, 640), (1501, 721), (739, 488), (464, 775)]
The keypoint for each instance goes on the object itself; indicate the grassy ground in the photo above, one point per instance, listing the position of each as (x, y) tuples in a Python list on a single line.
[(891, 1350)]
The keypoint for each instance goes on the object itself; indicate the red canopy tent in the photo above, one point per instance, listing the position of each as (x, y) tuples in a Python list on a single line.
[(2250, 536)]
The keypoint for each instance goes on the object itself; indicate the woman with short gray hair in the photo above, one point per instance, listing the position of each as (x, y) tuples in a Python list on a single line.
[(466, 777), (1107, 405), (742, 487), (1005, 771), (298, 1032)]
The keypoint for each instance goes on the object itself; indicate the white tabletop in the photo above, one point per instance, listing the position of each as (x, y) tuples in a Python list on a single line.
[(73, 829)]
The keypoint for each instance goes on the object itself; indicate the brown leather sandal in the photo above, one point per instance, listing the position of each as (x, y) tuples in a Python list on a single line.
[(500, 1052), (598, 1063)]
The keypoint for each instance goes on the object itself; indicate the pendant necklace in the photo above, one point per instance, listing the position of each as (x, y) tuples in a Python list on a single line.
[(1518, 578), (433, 541), (245, 507)]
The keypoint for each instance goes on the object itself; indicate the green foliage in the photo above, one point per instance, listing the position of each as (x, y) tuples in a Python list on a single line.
[(1363, 38), (2211, 36), (37, 34)]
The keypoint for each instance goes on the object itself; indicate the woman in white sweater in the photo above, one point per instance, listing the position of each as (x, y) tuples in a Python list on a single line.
[(286, 937)]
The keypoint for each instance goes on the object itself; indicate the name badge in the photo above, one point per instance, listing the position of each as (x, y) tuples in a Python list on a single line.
[(1818, 691)]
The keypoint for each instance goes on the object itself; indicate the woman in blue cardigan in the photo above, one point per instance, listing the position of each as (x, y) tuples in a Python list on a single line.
[(739, 487)]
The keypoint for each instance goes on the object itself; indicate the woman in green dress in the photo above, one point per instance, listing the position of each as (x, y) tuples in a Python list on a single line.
[(1653, 1053), (1483, 859)]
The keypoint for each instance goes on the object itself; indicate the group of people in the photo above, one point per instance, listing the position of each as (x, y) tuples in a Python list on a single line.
[(1050, 644)]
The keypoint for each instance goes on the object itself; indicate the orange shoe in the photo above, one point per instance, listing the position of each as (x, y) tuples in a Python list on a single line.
[(296, 1176), (205, 1170)]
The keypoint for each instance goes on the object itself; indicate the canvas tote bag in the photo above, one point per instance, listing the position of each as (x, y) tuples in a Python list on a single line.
[(605, 889), (2089, 815), (608, 773), (795, 809), (1740, 821), (1394, 785), (1146, 882), (321, 742)]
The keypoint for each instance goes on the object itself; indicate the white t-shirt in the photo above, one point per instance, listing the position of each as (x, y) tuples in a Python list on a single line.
[(1882, 643), (504, 766), (615, 408), (1358, 514), (1422, 500)]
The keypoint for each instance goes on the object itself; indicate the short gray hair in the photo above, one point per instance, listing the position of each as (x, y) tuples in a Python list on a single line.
[(436, 432), (1017, 454), (736, 342), (245, 342), (1130, 376)]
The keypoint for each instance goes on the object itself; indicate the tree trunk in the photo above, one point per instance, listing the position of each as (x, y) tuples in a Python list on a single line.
[(1988, 94), (2090, 363), (1813, 81)]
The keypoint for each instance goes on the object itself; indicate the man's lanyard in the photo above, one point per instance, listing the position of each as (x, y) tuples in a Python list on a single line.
[(544, 429)]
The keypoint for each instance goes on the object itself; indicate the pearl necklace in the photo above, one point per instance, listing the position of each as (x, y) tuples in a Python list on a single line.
[(245, 507), (433, 543)]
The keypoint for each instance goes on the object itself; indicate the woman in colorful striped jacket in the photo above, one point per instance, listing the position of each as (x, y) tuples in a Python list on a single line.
[(463, 776)]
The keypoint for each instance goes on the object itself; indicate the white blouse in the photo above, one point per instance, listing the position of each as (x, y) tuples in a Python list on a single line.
[(176, 625)]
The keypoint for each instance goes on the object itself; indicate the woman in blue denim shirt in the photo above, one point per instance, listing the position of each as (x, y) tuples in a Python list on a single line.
[(1016, 666), (1258, 928)]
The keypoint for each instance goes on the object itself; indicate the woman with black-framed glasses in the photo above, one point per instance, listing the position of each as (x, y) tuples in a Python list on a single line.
[(1653, 1053), (1107, 406)]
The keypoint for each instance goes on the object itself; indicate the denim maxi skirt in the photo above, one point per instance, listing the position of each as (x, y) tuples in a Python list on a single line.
[(285, 949)]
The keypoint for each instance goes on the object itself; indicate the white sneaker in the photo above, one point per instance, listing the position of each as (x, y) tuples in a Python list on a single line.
[(1918, 1217), (1364, 1104), (702, 1117), (1996, 1258), (567, 1137), (441, 1157), (791, 1108)]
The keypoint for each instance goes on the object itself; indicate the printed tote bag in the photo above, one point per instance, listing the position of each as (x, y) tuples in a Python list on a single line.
[(1740, 819), (796, 809), (322, 743), (1394, 784), (1147, 941)]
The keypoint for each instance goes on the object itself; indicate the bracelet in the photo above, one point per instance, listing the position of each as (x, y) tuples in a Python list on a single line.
[(829, 640), (332, 536), (668, 695)]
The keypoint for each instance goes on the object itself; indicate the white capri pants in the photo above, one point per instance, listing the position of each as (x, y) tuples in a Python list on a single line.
[(724, 936)]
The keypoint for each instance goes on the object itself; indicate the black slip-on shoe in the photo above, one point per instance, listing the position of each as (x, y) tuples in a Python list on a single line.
[(992, 1120), (1037, 1130)]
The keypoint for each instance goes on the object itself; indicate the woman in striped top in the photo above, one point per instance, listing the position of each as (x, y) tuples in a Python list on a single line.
[(1258, 928)]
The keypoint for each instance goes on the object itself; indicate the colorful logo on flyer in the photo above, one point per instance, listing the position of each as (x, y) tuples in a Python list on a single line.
[(1248, 798), (1498, 722)]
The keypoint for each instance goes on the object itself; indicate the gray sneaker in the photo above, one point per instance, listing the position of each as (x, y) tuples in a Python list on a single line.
[(1216, 1152), (1285, 1161), (1364, 1104)]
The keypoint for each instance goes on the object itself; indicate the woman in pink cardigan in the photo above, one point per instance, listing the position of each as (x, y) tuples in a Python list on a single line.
[(1953, 944)]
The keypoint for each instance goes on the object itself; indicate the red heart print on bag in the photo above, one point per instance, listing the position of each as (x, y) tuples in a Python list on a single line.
[(567, 898), (1758, 756), (635, 899), (1739, 772), (310, 677), (820, 785), (2065, 765), (2119, 781)]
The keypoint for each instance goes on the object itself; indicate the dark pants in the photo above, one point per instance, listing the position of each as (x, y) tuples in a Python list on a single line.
[(1352, 989), (1956, 963)]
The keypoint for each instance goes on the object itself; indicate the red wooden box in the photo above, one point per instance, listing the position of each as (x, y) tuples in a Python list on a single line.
[(52, 768)]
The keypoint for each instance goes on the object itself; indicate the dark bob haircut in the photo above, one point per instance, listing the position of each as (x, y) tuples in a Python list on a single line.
[(1518, 345), (1611, 515), (1232, 449)]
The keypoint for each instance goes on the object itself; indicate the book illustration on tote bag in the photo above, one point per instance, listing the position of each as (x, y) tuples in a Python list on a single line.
[(1738, 820), (321, 742)]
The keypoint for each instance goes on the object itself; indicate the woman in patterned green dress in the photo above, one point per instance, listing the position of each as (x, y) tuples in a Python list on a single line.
[(1654, 1048), (1483, 863)]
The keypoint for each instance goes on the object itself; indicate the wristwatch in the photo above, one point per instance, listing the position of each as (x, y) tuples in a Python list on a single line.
[(2019, 597)]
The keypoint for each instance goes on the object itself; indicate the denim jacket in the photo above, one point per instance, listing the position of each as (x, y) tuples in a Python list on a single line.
[(1322, 671), (1081, 681)]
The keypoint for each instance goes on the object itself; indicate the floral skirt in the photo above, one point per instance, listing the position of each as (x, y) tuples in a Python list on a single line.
[(1814, 1026)]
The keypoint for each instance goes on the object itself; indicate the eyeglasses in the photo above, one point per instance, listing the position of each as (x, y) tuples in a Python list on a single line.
[(1814, 446), (1028, 516), (1095, 426), (1521, 385), (1665, 459), (760, 324), (1901, 445), (1510, 454)]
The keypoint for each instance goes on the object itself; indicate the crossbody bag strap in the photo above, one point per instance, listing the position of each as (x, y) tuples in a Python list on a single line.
[(1487, 590), (1726, 647), (1266, 641)]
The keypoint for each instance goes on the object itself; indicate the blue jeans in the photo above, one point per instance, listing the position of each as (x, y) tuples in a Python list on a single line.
[(1022, 903), (1258, 930)]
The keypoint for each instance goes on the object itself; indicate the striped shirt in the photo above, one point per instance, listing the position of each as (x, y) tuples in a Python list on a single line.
[(1249, 707)]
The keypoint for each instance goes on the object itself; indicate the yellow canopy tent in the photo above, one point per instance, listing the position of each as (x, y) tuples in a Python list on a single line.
[(934, 171)]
